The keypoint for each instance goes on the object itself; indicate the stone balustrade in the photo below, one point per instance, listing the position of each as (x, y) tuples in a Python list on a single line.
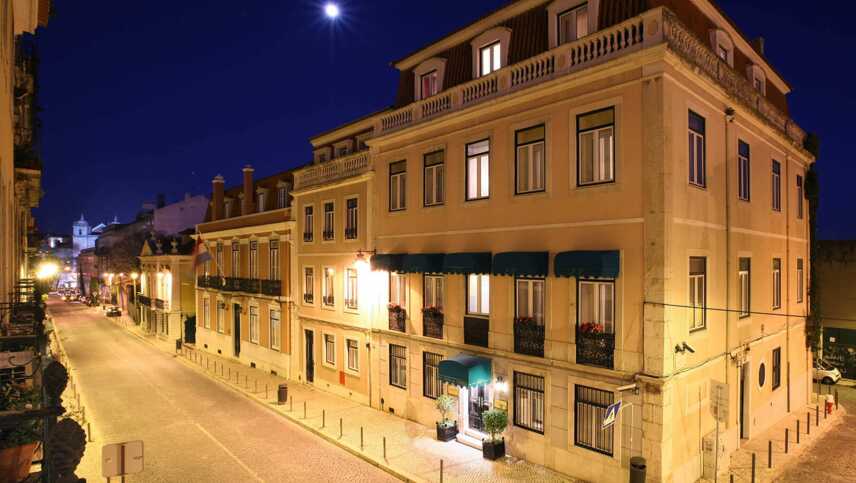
[(333, 170)]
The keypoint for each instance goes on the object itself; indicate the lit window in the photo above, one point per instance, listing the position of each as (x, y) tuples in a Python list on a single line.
[(697, 292), (478, 294), (398, 186), (573, 24), (221, 316), (206, 313), (327, 297), (351, 283), (490, 58), (478, 170), (596, 306), (330, 349), (530, 161), (254, 324), (777, 283), (744, 276), (596, 147), (529, 296), (275, 329), (434, 184), (308, 285), (433, 296), (398, 289), (428, 84), (353, 355)]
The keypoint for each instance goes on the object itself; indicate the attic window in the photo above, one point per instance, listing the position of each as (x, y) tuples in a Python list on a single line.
[(758, 79), (428, 78), (490, 51), (573, 24), (723, 46), (570, 20), (490, 58)]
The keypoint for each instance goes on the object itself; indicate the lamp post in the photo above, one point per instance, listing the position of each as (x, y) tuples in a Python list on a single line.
[(134, 277)]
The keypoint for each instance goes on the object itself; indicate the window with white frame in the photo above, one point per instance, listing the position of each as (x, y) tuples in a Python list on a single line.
[(398, 289), (596, 147), (432, 386), (351, 218), (490, 58), (776, 185), (236, 259), (308, 223), (227, 211), (529, 300), (573, 24), (478, 294), (275, 329), (697, 155), (433, 293), (330, 349), (596, 307), (434, 185), (353, 355), (531, 164), (281, 197), (428, 84), (398, 186), (254, 324), (777, 283), (308, 285), (398, 366), (327, 292), (758, 78), (478, 170), (221, 316), (206, 312), (206, 267), (743, 170), (723, 46), (800, 197), (254, 259), (274, 269), (219, 260), (697, 292), (351, 283), (744, 278), (329, 221), (260, 201), (800, 280)]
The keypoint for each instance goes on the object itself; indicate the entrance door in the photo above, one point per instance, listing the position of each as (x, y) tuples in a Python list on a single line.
[(478, 404), (743, 432), (310, 356), (236, 333)]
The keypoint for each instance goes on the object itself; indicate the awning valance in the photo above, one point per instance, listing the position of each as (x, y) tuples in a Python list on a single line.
[(465, 263), (531, 264), (588, 264), (423, 263), (465, 370), (388, 262)]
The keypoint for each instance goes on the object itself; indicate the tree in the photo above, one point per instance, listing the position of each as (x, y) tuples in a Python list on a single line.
[(812, 194)]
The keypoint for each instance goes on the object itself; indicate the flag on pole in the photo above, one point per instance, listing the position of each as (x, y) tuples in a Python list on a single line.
[(200, 252)]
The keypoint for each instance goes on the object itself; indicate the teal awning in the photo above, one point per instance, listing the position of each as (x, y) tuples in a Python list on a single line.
[(423, 263), (531, 264), (465, 370), (389, 262), (587, 264), (465, 263)]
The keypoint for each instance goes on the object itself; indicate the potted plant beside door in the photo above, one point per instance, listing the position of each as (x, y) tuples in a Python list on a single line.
[(17, 444), (447, 429), (495, 422)]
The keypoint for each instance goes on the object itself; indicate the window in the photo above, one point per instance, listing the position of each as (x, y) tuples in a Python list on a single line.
[(281, 197), (800, 280), (744, 277), (228, 209), (341, 151), (260, 202), (433, 294), (589, 409), (697, 292), (327, 288), (573, 24), (397, 289), (221, 316), (236, 259), (428, 84), (330, 349), (206, 267), (206, 313), (273, 272), (478, 170), (254, 324), (722, 52), (776, 188), (431, 385), (596, 306), (490, 58), (529, 298), (758, 84), (353, 355), (777, 367), (351, 219), (275, 329), (743, 171), (308, 285), (308, 219), (529, 402), (696, 149), (478, 294), (530, 163), (351, 288), (329, 220), (596, 147), (254, 259), (777, 283), (398, 186), (398, 366), (220, 270), (800, 197), (433, 180)]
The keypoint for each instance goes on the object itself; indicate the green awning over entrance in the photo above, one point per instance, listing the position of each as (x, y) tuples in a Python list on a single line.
[(423, 263), (588, 264), (465, 370), (388, 262), (527, 264), (466, 263)]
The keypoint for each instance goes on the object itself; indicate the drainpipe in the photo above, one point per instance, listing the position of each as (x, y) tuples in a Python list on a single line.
[(729, 118)]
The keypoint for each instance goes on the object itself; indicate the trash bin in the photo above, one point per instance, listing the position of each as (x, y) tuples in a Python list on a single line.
[(282, 394), (637, 469), (178, 345)]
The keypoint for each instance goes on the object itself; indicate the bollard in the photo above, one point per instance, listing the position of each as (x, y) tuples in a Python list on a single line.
[(753, 467), (825, 412), (441, 471), (304, 409), (207, 364), (266, 391), (638, 469), (817, 415), (89, 432), (731, 478), (787, 439), (323, 418), (230, 373), (836, 399), (246, 384), (384, 447), (798, 431), (83, 413), (769, 454), (291, 404), (340, 428), (807, 422), (361, 437)]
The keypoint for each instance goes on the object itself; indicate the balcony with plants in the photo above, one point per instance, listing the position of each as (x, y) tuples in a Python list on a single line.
[(528, 336), (432, 322), (595, 346), (397, 318)]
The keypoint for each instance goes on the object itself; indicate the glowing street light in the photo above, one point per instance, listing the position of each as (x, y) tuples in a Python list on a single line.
[(47, 270), (331, 10)]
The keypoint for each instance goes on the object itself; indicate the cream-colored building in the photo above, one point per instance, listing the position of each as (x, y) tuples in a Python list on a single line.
[(595, 201), (167, 295)]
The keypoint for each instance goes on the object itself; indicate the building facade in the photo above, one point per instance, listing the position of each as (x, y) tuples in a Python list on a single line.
[(167, 295), (836, 275)]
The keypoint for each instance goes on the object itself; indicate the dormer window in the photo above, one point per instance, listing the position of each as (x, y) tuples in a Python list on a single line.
[(261, 200), (322, 155), (428, 84), (490, 58), (341, 151), (573, 24), (570, 20), (723, 46), (490, 51), (428, 77), (758, 79), (228, 208)]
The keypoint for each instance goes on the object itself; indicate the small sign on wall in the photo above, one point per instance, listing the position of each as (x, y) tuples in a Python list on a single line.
[(452, 391), (501, 404)]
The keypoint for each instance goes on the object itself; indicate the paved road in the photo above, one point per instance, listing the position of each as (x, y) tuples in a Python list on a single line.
[(194, 429)]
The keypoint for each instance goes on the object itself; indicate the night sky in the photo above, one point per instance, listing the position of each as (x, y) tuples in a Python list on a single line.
[(159, 96)]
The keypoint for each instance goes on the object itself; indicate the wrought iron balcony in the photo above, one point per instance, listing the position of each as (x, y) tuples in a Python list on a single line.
[(432, 323), (328, 300), (272, 287), (231, 284), (528, 337), (476, 331), (397, 318), (249, 285), (159, 304), (308, 298), (595, 348), (307, 236), (145, 301), (351, 233), (329, 235)]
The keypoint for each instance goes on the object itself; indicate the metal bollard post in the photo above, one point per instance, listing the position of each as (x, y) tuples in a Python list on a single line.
[(340, 428), (257, 387), (817, 415), (441, 471), (291, 404), (836, 399), (89, 432), (323, 418), (753, 467), (230, 374), (787, 439), (266, 391), (798, 431), (384, 447), (304, 409), (361, 438), (769, 454), (731, 478), (83, 413)]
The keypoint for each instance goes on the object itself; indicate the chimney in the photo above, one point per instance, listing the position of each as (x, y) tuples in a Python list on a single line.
[(161, 200), (217, 198), (758, 44), (248, 201)]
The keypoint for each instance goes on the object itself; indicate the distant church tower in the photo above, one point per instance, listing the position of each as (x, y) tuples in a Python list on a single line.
[(82, 236)]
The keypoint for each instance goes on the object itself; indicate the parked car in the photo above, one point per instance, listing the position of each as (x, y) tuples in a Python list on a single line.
[(114, 311), (825, 372)]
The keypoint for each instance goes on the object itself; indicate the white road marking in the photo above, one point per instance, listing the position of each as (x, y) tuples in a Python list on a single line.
[(224, 448)]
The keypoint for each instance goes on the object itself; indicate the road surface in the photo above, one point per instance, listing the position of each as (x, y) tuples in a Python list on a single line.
[(193, 428)]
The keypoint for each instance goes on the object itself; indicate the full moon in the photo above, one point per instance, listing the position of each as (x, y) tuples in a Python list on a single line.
[(331, 10)]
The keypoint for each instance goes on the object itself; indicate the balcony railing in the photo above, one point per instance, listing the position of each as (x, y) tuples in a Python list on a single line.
[(350, 233), (307, 236), (145, 301), (308, 298), (329, 235), (249, 285), (397, 319), (432, 323), (595, 348), (528, 337), (336, 169), (231, 284), (328, 300), (656, 26), (272, 287), (159, 304), (476, 331)]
